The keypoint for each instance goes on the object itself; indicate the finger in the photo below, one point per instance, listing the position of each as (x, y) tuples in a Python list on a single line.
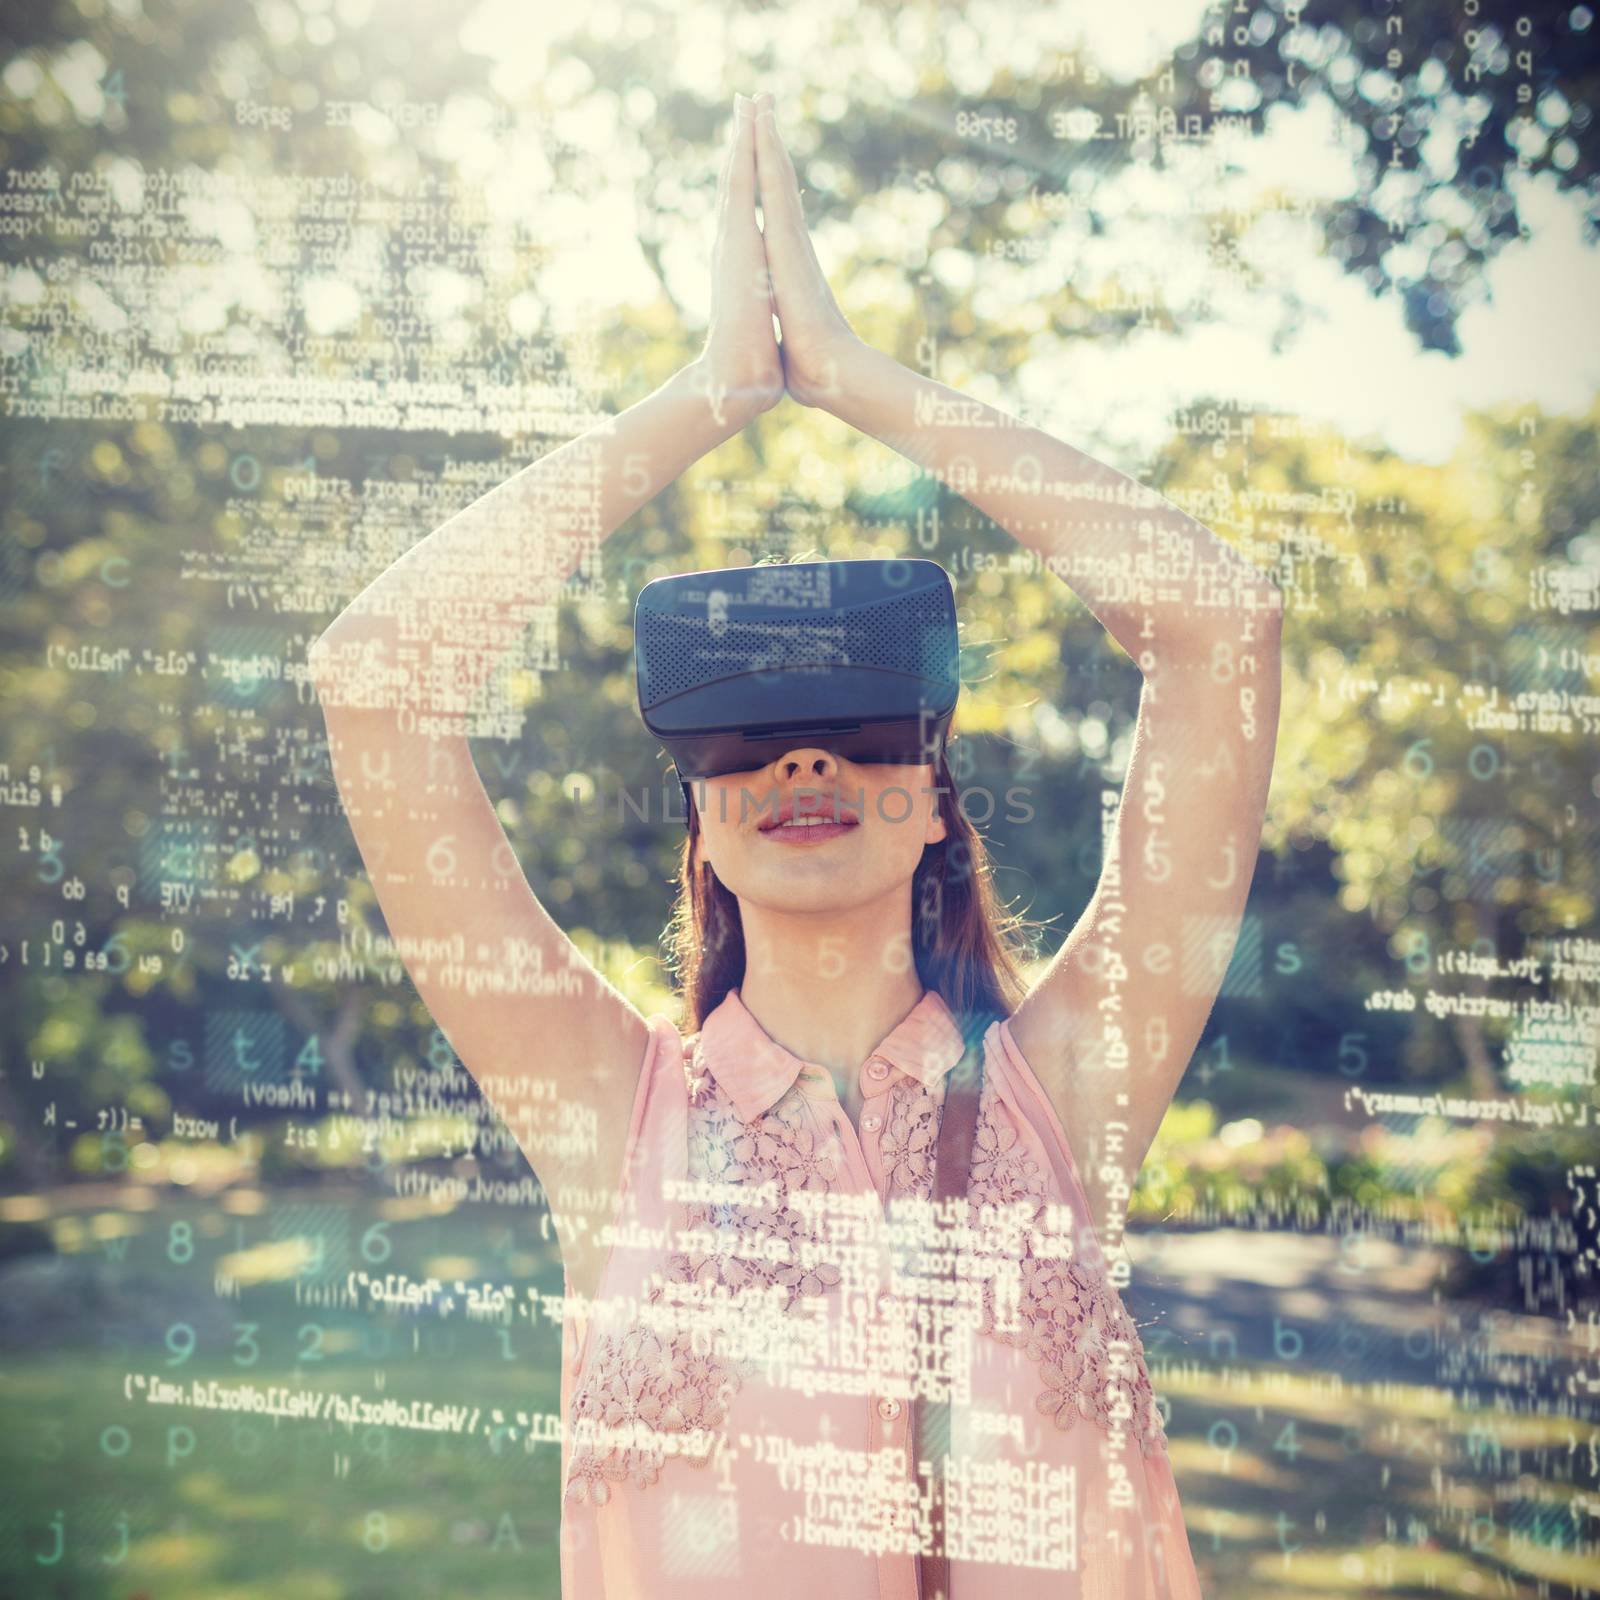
[(788, 239), (741, 191), (790, 251), (727, 165), (739, 242), (780, 185)]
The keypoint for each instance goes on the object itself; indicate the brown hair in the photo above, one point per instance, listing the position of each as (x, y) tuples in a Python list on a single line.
[(965, 944)]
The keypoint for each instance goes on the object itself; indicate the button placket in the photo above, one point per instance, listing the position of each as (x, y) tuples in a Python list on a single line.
[(875, 1080)]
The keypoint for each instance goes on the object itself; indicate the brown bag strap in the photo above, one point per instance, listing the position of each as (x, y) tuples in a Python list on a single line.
[(930, 1430)]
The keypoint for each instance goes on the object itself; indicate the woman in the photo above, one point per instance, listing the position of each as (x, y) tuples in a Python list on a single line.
[(740, 1356)]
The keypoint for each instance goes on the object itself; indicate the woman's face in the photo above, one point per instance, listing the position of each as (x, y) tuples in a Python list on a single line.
[(890, 813)]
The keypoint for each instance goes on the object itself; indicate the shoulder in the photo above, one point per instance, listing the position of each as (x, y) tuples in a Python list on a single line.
[(671, 1052), (662, 1095), (665, 1050), (694, 1077), (1011, 1082)]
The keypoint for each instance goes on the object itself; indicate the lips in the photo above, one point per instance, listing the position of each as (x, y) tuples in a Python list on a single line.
[(825, 807)]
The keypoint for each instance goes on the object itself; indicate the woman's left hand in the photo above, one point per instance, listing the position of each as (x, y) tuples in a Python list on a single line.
[(816, 339), (740, 369)]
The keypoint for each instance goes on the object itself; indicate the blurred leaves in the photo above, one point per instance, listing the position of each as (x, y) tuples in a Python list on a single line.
[(965, 212)]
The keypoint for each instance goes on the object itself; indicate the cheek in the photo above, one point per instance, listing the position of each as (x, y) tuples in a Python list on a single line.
[(893, 837), (725, 807), (719, 840)]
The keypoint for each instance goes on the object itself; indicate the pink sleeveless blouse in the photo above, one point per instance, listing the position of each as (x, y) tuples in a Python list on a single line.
[(737, 1400)]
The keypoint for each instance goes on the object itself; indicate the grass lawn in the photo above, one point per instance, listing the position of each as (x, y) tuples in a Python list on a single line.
[(173, 1501), (1289, 1489)]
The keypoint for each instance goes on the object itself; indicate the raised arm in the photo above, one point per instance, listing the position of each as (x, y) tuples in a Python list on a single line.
[(554, 1047), (1111, 1024)]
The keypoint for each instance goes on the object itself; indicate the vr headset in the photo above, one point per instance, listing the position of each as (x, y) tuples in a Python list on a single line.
[(739, 664)]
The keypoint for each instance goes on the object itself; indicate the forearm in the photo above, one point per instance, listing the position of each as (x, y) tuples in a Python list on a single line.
[(1161, 583), (427, 633)]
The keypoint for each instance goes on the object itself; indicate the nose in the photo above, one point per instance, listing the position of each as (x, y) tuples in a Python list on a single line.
[(806, 762)]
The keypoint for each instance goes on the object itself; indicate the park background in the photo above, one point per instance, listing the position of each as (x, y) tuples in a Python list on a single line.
[(1325, 277)]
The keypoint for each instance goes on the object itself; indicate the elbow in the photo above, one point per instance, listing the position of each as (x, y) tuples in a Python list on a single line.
[(320, 660), (353, 639), (1263, 619), (1266, 598), (1253, 625), (337, 643)]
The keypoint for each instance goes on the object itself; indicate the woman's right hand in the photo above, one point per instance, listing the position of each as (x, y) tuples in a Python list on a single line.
[(740, 367), (818, 341)]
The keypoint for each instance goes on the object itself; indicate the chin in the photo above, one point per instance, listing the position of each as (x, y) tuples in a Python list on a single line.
[(802, 884), (817, 898)]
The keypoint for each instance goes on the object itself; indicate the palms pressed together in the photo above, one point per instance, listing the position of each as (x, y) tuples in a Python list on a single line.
[(759, 273)]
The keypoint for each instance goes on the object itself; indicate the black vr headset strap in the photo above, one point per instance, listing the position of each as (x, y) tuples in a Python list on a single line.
[(930, 1419)]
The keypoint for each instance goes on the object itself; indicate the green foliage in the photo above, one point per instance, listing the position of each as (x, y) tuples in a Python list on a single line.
[(1395, 831)]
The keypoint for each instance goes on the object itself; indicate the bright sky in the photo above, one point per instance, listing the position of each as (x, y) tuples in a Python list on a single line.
[(1352, 362)]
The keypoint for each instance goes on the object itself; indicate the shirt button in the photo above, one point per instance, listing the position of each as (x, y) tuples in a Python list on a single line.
[(877, 1067), (889, 1409), (872, 1123)]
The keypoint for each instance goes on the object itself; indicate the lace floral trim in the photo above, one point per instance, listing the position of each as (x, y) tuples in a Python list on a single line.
[(1072, 1321), (652, 1385), (673, 1399), (660, 1382)]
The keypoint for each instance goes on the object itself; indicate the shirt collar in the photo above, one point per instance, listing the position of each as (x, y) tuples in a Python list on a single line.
[(755, 1071)]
